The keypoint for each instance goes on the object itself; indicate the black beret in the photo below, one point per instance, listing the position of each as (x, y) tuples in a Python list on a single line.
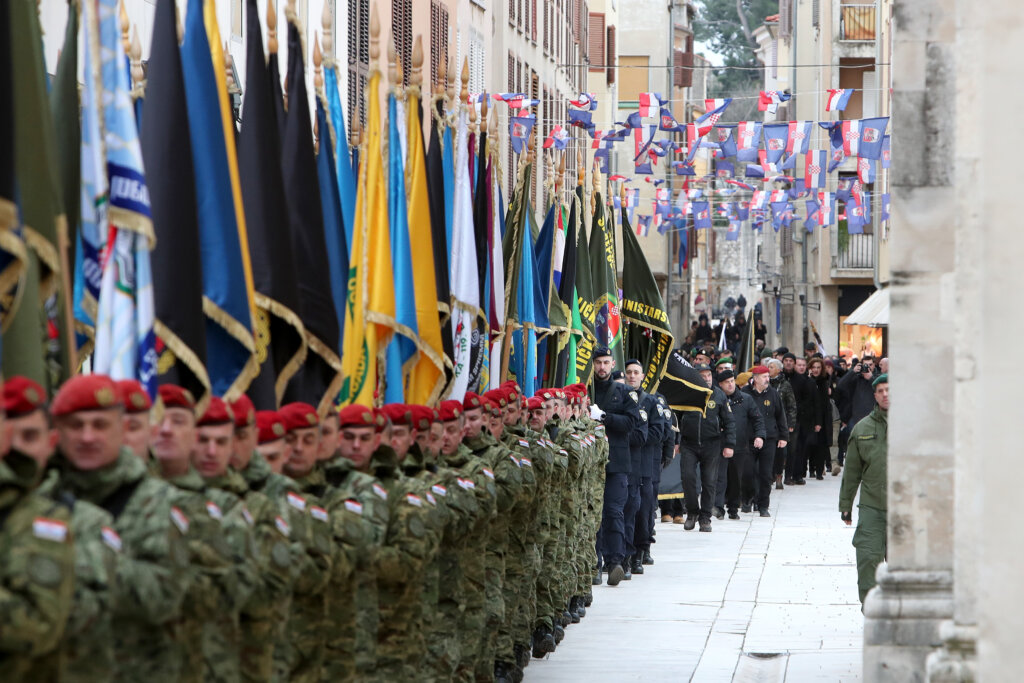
[(617, 375), (701, 367), (725, 374), (788, 355), (782, 350), (601, 352), (634, 361)]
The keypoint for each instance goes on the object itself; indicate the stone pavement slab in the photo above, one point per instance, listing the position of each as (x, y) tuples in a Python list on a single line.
[(755, 600)]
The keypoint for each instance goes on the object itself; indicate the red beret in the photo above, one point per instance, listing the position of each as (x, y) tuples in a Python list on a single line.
[(244, 411), (270, 425), (422, 417), (511, 390), (133, 396), (86, 392), (499, 397), (580, 389), (759, 370), (22, 396), (398, 413), (217, 413), (356, 415), (380, 420), (174, 396), (450, 410), (535, 403), (545, 394), (492, 407), (298, 416), (471, 401)]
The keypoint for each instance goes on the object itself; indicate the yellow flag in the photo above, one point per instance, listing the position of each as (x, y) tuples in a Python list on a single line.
[(371, 285), (426, 379)]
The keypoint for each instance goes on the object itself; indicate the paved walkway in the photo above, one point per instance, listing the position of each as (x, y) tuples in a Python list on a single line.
[(755, 600)]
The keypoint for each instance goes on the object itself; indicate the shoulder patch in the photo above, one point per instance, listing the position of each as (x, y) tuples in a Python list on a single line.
[(633, 395), (711, 404), (318, 513), (431, 499), (50, 529), (296, 501), (466, 483), (179, 519), (413, 499), (213, 510), (247, 516), (283, 527), (515, 460), (381, 492), (643, 414), (354, 506), (111, 539), (489, 474), (526, 462), (439, 490)]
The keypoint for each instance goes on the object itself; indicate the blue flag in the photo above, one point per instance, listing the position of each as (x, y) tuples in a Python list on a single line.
[(227, 277), (334, 222), (776, 135), (701, 215), (342, 159), (872, 137)]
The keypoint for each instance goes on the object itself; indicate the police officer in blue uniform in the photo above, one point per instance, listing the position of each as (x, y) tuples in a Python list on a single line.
[(647, 445), (704, 440), (620, 413)]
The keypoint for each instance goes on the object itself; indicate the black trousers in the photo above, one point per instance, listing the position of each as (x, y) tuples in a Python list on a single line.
[(735, 485), (610, 542), (844, 439), (707, 455), (644, 516), (673, 507), (782, 454), (762, 462), (629, 512), (796, 467)]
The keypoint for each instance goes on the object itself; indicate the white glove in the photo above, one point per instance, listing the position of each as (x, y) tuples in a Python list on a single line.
[(596, 413)]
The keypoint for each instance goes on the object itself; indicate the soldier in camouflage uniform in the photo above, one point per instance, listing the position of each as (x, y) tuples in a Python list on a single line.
[(273, 553), (152, 566), (407, 422), (87, 648), (220, 544), (312, 567), (501, 467), (37, 574), (308, 625)]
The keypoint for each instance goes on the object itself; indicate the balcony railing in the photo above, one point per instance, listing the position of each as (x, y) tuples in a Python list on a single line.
[(857, 23), (856, 253)]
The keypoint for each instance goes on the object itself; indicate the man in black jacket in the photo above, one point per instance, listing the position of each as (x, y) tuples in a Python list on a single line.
[(808, 417), (620, 414), (704, 440), (776, 429), (639, 477), (855, 399), (666, 451), (734, 473), (650, 462)]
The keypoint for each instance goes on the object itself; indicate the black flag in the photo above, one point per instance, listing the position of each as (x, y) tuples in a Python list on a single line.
[(281, 343), (320, 378), (167, 149), (435, 189)]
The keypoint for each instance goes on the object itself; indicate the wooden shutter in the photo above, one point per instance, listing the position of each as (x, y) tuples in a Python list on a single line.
[(358, 59), (611, 56), (785, 18), (401, 31), (547, 26), (683, 63), (595, 44), (533, 20)]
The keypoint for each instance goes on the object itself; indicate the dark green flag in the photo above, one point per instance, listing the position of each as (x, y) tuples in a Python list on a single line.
[(42, 210), (607, 314), (12, 248), (648, 334), (584, 308)]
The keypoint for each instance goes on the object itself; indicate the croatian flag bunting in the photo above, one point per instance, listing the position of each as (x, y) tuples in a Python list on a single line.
[(814, 169), (701, 215), (714, 110), (872, 137), (519, 128), (557, 138), (799, 137), (851, 137), (650, 103), (886, 151), (769, 100), (838, 99), (865, 170), (776, 136)]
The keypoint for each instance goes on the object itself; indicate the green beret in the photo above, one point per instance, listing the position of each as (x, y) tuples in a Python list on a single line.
[(881, 379), (725, 361)]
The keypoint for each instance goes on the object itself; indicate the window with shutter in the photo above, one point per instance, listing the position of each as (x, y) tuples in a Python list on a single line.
[(611, 56), (533, 20), (511, 72), (816, 12), (512, 13), (438, 39), (869, 102), (683, 63), (401, 31), (358, 59), (785, 18), (547, 26), (595, 46), (526, 17)]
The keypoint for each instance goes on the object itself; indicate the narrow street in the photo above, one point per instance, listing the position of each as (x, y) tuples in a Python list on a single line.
[(755, 600)]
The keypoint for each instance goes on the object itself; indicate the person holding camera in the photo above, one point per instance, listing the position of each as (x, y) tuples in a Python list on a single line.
[(855, 399)]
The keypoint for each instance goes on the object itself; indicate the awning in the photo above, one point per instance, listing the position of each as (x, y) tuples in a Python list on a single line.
[(874, 312)]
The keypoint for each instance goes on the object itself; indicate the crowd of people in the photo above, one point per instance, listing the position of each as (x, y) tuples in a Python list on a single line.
[(171, 541), (179, 541)]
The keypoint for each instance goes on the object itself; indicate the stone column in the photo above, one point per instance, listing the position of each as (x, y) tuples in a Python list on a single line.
[(914, 594)]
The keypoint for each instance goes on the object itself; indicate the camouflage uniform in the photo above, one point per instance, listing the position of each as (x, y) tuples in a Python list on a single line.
[(306, 636), (401, 561), (519, 561), (221, 553), (87, 648), (152, 568), (503, 468), (36, 575), (356, 517), (549, 542), (474, 476), (276, 564)]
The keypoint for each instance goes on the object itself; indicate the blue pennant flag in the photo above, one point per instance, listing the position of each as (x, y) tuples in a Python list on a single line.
[(519, 128), (342, 158), (872, 137)]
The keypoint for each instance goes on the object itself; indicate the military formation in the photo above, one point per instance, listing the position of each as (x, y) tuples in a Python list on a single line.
[(176, 541)]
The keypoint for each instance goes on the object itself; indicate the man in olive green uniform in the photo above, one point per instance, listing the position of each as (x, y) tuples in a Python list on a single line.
[(866, 468), (87, 648), (273, 553), (308, 624), (37, 573), (220, 543), (152, 566)]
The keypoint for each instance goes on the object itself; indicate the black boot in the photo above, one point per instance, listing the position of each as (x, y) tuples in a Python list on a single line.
[(559, 633), (565, 618), (522, 653), (573, 612), (647, 557), (588, 599), (581, 609), (502, 673), (627, 566), (636, 566), (543, 642)]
